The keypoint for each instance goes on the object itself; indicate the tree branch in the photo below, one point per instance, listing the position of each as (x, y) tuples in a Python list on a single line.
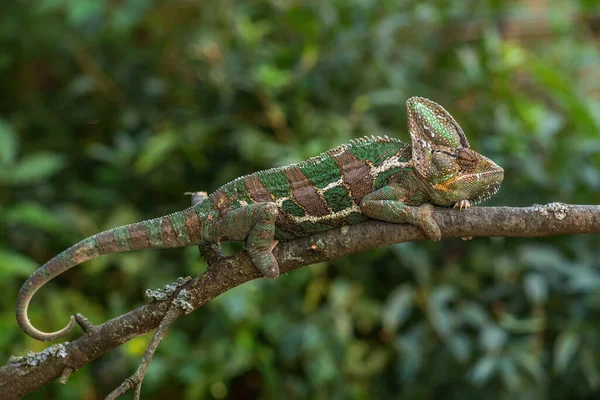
[(17, 378)]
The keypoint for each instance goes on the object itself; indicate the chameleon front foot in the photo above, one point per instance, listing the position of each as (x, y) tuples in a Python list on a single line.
[(385, 205), (421, 218), (463, 205)]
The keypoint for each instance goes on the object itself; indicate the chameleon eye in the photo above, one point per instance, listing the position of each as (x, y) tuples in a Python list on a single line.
[(466, 159)]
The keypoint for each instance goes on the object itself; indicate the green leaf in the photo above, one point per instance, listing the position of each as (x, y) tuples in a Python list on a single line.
[(412, 357), (531, 364), (37, 167), (35, 215), (272, 77), (252, 31), (460, 346), (509, 373), (590, 367), (13, 264), (8, 143), (397, 308), (364, 360), (565, 347), (484, 370), (536, 288), (492, 338), (80, 12), (156, 150)]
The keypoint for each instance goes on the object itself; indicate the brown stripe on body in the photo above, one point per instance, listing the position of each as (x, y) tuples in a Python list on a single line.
[(107, 242), (193, 225), (304, 192), (168, 234), (289, 227), (84, 250), (220, 201), (256, 189), (138, 236), (356, 174)]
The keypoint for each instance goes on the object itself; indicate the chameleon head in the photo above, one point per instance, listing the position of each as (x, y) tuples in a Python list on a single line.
[(463, 174), (443, 158)]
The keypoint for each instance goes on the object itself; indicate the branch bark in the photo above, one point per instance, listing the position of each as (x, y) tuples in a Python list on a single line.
[(17, 380)]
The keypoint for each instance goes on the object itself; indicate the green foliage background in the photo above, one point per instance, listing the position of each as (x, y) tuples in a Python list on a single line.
[(111, 110)]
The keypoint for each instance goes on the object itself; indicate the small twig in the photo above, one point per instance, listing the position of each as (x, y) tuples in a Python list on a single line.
[(65, 375), (136, 379), (84, 323), (197, 197)]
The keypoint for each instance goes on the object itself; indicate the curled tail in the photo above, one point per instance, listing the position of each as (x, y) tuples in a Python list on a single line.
[(183, 228)]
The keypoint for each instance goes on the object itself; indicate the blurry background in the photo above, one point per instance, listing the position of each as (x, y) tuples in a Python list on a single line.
[(111, 110)]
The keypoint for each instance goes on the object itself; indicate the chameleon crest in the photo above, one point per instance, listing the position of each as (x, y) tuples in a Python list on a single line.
[(373, 177)]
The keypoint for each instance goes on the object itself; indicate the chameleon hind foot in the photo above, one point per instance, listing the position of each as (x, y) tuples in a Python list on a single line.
[(255, 223), (261, 241)]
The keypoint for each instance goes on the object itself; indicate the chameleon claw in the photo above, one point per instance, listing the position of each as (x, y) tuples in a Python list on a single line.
[(462, 204)]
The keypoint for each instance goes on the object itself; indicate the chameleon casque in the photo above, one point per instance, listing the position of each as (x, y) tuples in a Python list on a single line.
[(378, 177)]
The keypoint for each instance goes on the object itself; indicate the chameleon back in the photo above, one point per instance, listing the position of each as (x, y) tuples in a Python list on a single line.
[(322, 192)]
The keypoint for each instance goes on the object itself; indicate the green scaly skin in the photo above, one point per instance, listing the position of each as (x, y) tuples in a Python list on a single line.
[(378, 178)]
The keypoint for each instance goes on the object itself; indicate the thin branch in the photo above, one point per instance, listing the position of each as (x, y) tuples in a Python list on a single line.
[(17, 379), (135, 380)]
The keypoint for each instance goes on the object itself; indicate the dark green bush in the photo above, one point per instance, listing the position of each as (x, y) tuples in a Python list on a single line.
[(111, 110)]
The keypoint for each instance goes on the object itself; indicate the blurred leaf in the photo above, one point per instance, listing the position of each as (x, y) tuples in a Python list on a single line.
[(483, 370), (364, 360), (564, 350), (512, 324), (410, 347), (8, 143), (252, 31), (271, 77), (35, 215), (36, 167), (509, 373), (155, 151), (440, 315), (589, 365), (138, 345), (460, 346), (80, 12), (536, 288), (492, 338), (14, 264), (531, 364), (304, 20), (397, 308)]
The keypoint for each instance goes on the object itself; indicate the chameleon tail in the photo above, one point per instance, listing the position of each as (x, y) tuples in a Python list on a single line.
[(183, 228)]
